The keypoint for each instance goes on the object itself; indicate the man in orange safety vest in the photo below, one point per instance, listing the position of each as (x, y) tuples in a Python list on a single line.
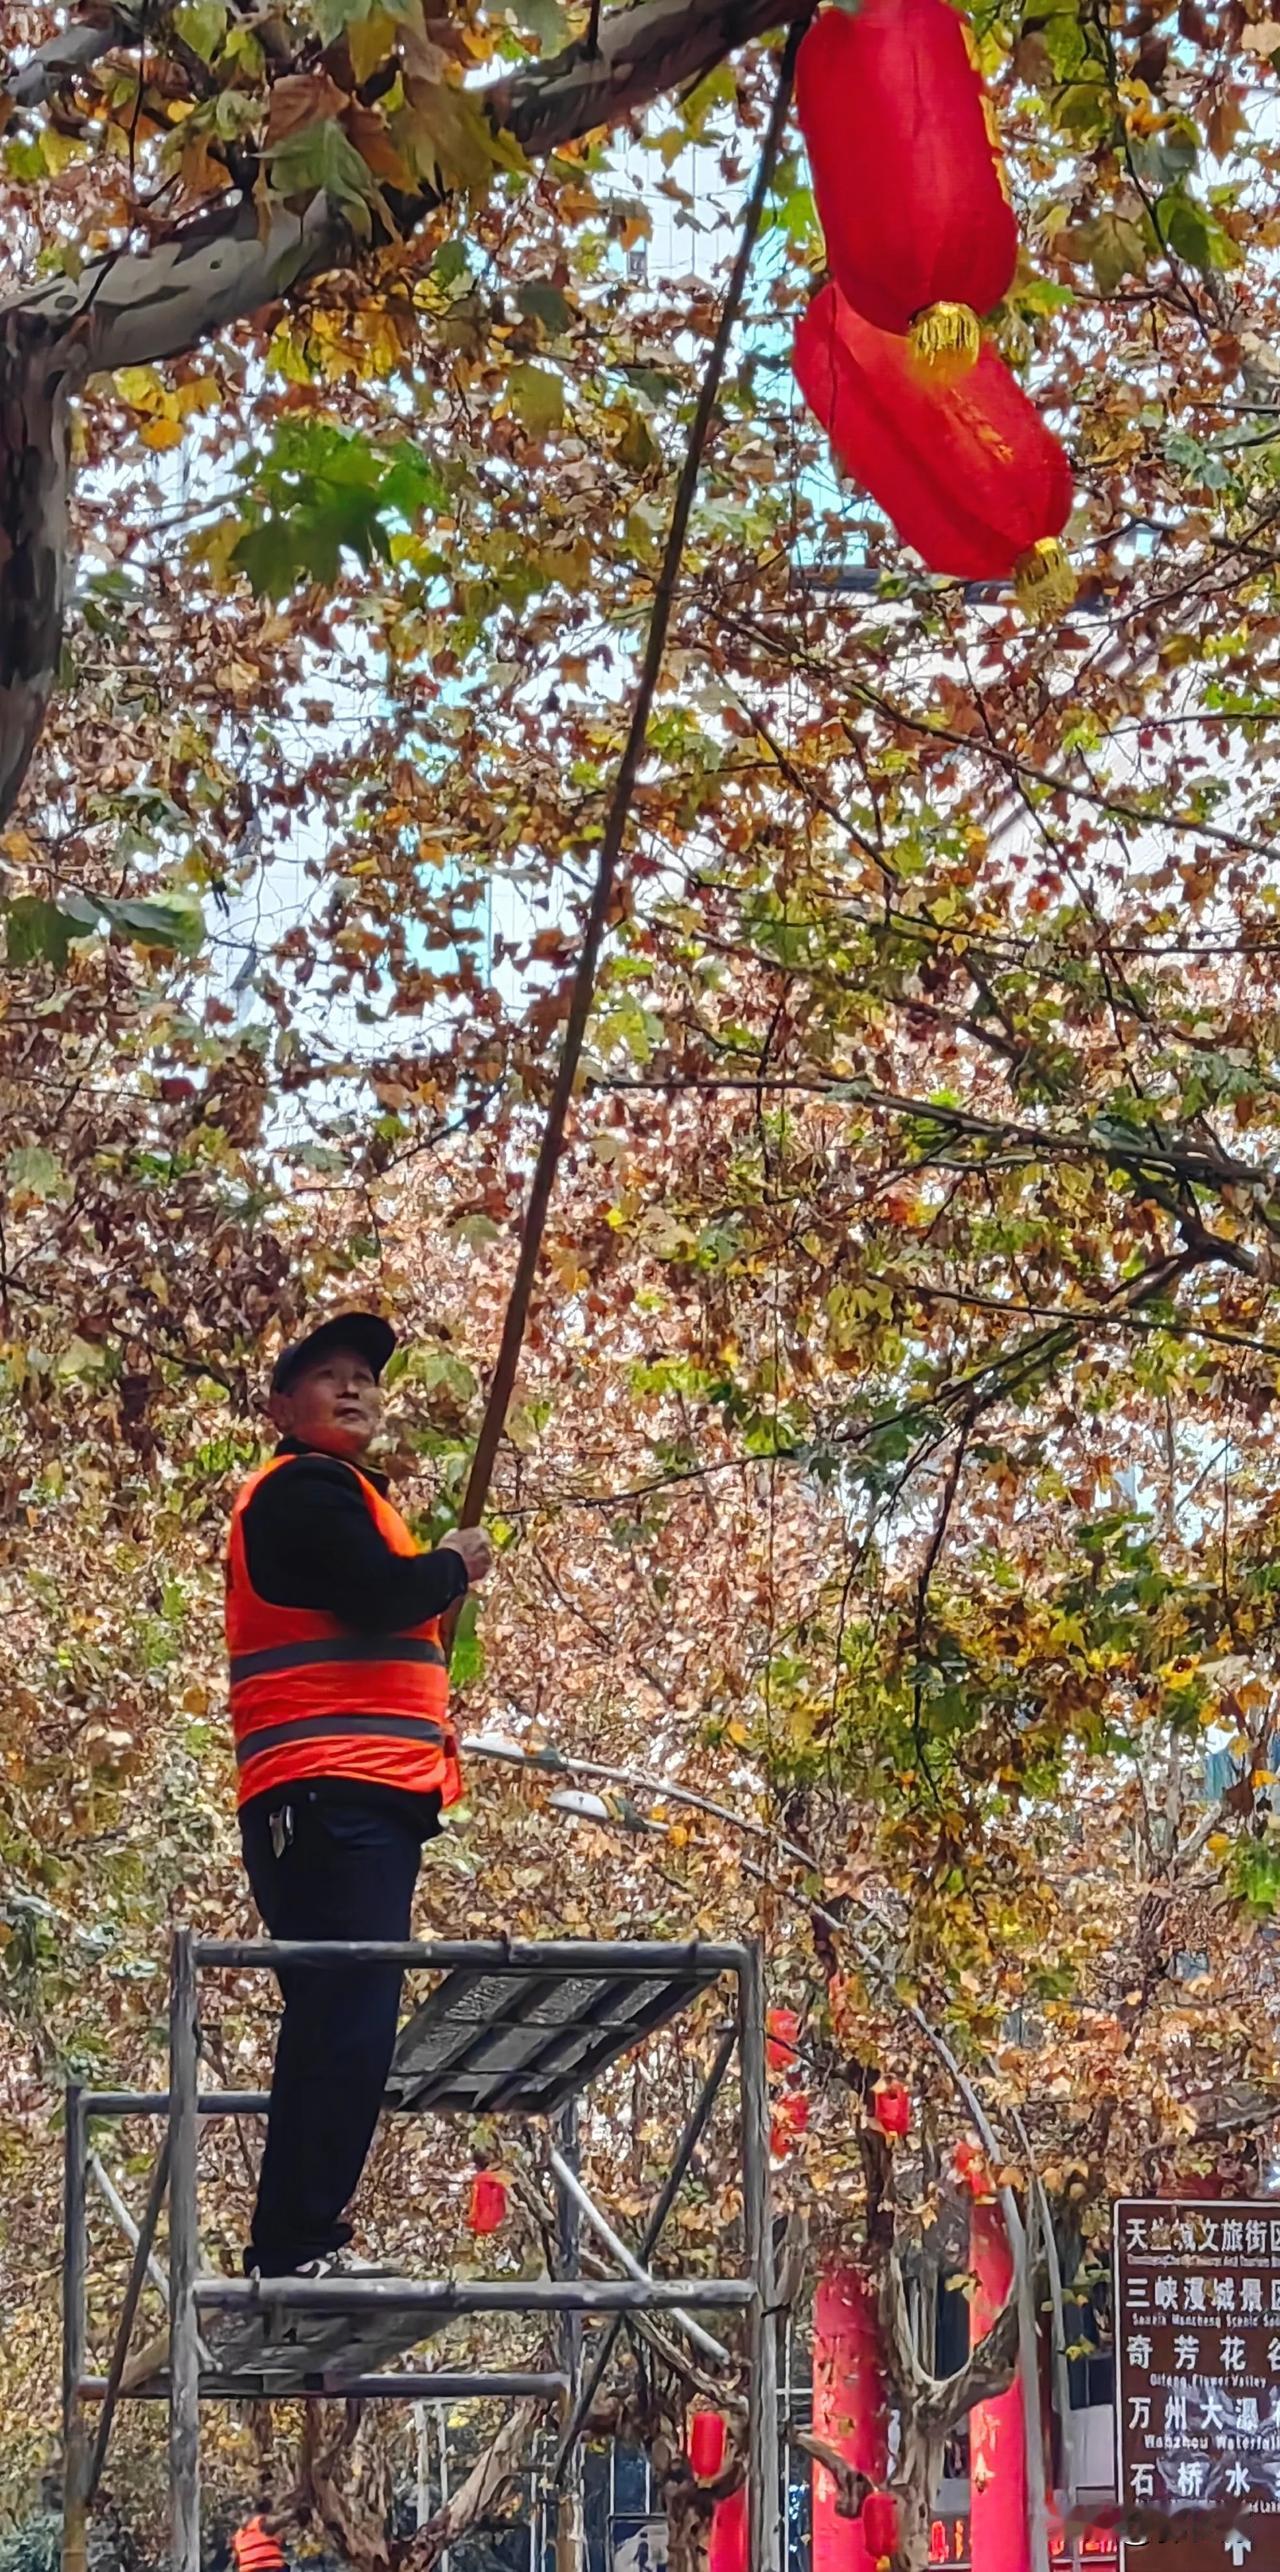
[(346, 1758), (252, 2550)]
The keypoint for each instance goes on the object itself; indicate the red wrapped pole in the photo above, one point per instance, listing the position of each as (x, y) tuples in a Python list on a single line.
[(908, 174), (849, 2410), (999, 2535), (970, 476), (727, 2548)]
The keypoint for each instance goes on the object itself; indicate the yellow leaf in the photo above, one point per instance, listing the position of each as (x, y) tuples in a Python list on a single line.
[(369, 41), (161, 434), (140, 386)]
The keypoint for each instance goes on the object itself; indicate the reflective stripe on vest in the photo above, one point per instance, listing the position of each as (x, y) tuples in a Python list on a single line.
[(310, 1698), (310, 1656)]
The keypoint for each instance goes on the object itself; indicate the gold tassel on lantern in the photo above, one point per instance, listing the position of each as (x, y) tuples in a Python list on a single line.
[(1045, 580), (945, 342)]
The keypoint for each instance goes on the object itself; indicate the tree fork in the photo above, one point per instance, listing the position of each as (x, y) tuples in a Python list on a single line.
[(133, 308)]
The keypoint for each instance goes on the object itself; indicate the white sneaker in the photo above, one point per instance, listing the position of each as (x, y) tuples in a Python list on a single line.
[(343, 2263), (338, 2263)]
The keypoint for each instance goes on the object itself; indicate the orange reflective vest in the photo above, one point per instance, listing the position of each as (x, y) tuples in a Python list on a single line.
[(311, 1697), (253, 2550)]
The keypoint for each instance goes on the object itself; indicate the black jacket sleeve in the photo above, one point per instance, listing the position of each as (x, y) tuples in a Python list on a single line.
[(310, 1542)]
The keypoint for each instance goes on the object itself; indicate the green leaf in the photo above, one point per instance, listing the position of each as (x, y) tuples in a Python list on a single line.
[(1117, 249), (321, 158), (451, 263), (173, 921), (1193, 234), (38, 932), (35, 1172), (333, 17), (202, 24), (537, 398), (466, 1662), (544, 303), (322, 490)]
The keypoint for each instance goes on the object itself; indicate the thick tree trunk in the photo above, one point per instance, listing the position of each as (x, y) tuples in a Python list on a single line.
[(34, 478), (132, 309), (916, 2484)]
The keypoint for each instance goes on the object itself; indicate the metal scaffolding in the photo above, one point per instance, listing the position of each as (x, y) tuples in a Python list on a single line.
[(512, 2028)]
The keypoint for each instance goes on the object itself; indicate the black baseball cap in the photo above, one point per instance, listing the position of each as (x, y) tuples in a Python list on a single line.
[(367, 1333)]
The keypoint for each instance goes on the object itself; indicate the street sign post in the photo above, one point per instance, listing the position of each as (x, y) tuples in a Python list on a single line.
[(1197, 2323)]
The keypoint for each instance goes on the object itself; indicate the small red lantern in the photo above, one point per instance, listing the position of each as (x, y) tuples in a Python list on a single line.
[(908, 174), (487, 2212), (880, 2527), (783, 2029), (790, 2121), (707, 2433), (970, 476), (970, 2169), (891, 2108)]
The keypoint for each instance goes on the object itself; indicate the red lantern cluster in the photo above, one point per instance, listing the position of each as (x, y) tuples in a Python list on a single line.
[(921, 241), (487, 2211)]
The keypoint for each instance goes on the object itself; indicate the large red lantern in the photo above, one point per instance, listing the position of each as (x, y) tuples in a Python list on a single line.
[(969, 473), (907, 174), (880, 2526), (707, 2439)]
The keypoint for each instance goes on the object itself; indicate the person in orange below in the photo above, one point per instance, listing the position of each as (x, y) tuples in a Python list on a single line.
[(252, 2550), (346, 1758)]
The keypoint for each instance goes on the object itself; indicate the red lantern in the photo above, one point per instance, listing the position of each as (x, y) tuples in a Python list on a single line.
[(970, 2169), (783, 2027), (891, 2108), (880, 2526), (706, 2445), (487, 2212), (790, 2120), (970, 476), (907, 174)]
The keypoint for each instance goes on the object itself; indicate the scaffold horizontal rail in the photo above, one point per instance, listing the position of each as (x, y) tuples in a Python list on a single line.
[(430, 2385), (353, 2296), (539, 1957)]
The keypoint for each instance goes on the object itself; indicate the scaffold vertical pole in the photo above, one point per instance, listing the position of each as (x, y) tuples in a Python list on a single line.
[(764, 2478), (570, 2527), (75, 2459), (184, 2343)]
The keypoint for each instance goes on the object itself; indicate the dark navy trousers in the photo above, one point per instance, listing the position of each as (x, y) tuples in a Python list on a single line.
[(347, 1871)]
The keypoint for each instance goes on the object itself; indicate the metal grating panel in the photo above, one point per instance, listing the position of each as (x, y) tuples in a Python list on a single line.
[(527, 2042), (284, 2351)]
